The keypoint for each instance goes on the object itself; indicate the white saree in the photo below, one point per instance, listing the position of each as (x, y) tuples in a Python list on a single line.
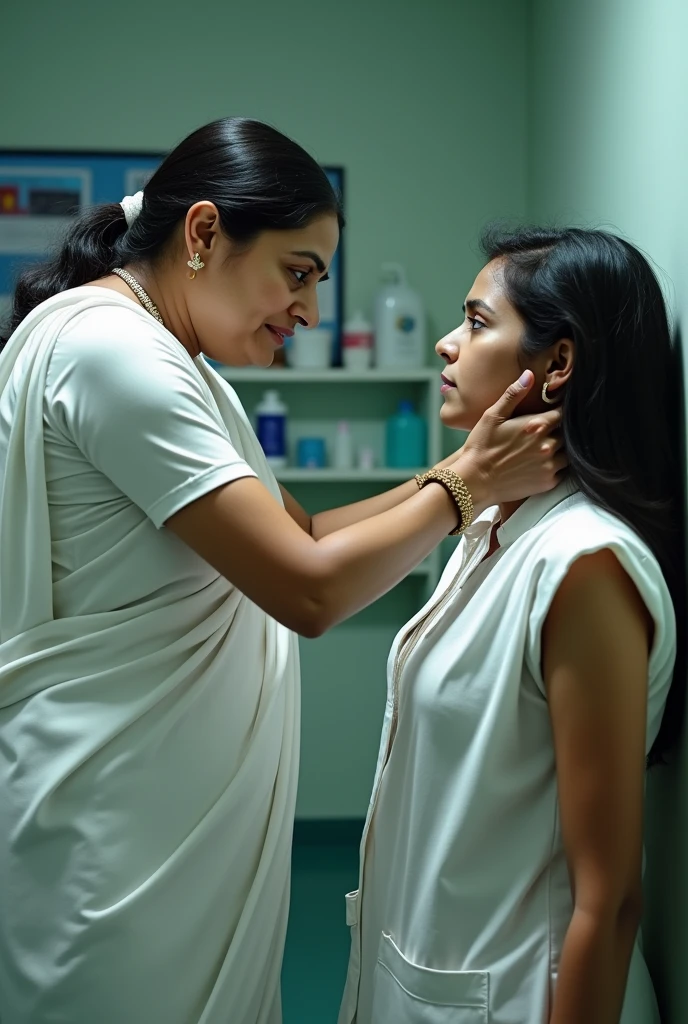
[(148, 749)]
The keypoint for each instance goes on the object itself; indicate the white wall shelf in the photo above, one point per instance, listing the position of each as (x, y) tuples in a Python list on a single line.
[(294, 474), (285, 375), (314, 411)]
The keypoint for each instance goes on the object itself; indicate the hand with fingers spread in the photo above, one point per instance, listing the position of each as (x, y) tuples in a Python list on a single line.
[(509, 457)]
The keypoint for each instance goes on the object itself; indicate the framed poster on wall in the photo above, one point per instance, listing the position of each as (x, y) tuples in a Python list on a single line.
[(40, 192)]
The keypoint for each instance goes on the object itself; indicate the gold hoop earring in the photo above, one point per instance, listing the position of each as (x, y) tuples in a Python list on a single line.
[(196, 264), (545, 397)]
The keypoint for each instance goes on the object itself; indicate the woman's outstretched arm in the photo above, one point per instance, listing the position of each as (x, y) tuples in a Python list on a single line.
[(524, 441), (311, 583)]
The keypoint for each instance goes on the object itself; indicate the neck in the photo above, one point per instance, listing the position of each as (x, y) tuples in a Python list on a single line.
[(509, 508), (162, 289)]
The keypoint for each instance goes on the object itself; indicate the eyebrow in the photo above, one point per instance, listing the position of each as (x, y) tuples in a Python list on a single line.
[(478, 304), (309, 254)]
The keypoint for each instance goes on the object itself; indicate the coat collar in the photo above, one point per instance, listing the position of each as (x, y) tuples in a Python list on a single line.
[(523, 519)]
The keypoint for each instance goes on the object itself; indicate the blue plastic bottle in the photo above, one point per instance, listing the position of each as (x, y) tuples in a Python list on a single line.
[(406, 438), (271, 428)]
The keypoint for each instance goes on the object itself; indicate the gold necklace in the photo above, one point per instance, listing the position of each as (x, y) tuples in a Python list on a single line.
[(143, 297)]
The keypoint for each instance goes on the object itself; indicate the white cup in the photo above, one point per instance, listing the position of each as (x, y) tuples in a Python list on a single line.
[(310, 349)]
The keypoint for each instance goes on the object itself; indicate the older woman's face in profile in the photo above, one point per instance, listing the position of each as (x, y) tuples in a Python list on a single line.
[(482, 353), (243, 304)]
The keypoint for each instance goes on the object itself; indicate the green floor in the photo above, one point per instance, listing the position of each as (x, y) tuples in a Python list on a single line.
[(317, 947)]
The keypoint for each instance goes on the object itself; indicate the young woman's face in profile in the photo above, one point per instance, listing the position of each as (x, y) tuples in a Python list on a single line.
[(483, 354), (244, 304)]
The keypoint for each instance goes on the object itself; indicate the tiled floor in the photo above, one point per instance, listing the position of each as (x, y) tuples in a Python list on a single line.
[(317, 947)]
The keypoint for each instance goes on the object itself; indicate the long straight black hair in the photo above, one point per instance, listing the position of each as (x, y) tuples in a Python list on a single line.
[(258, 179), (623, 405)]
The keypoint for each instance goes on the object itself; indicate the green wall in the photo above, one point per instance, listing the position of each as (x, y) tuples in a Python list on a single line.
[(432, 136), (608, 82)]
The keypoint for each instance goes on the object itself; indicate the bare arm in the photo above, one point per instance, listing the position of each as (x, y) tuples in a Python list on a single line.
[(310, 584), (527, 431), (337, 518), (334, 519), (595, 663), (306, 584), (297, 511)]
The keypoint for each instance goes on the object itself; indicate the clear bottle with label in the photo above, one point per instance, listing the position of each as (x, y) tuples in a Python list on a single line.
[(343, 455), (271, 428), (400, 329)]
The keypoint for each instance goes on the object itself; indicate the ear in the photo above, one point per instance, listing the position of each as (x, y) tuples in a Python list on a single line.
[(560, 364), (201, 229)]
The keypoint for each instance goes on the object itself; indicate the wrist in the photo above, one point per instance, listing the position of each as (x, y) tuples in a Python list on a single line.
[(475, 480), (448, 463), (456, 487)]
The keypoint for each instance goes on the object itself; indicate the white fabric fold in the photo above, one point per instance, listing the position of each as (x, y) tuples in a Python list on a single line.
[(143, 877)]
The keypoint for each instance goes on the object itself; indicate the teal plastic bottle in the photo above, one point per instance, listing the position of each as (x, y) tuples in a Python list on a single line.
[(406, 438)]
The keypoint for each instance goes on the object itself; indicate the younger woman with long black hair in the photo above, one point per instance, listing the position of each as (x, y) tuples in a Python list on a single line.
[(501, 871)]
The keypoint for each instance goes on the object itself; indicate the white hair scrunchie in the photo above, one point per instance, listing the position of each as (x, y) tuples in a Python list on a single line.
[(132, 207)]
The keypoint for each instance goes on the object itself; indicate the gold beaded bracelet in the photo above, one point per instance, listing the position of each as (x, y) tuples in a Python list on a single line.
[(457, 489)]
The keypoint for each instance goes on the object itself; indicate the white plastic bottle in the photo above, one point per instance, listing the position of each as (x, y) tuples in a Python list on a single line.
[(343, 447), (366, 459), (271, 428), (357, 343), (400, 330)]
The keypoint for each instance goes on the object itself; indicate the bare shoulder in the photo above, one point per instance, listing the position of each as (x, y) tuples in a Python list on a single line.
[(598, 593)]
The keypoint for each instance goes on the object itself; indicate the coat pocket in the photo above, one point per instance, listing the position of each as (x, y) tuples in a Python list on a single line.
[(404, 993)]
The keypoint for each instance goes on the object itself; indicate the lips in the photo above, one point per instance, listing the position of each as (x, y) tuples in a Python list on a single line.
[(449, 383), (279, 333)]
